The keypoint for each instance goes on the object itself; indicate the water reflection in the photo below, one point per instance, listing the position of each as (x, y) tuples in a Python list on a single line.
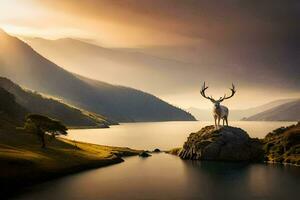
[(242, 181), (165, 176)]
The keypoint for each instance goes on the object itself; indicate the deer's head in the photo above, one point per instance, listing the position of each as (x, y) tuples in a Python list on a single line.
[(214, 101)]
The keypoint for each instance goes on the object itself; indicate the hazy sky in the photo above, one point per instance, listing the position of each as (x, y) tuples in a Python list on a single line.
[(262, 36), (145, 22)]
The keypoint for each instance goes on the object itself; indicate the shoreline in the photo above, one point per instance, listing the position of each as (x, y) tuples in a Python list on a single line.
[(175, 151), (19, 189), (23, 163)]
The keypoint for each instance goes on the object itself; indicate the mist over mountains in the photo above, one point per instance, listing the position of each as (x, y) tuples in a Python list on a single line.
[(259, 70), (207, 61), (251, 114), (285, 112), (160, 69), (20, 63)]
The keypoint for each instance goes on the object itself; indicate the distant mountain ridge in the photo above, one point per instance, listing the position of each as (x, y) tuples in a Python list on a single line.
[(286, 112), (206, 114), (35, 103), (159, 69), (20, 63), (142, 101)]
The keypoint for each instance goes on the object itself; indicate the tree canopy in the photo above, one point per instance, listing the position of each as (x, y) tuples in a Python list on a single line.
[(41, 125)]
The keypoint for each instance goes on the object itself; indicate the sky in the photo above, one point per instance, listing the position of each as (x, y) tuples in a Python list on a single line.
[(130, 23), (241, 40)]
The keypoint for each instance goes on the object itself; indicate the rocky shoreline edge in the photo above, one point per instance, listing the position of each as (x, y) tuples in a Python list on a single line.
[(232, 144)]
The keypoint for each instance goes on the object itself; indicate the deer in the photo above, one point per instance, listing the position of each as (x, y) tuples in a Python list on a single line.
[(219, 111)]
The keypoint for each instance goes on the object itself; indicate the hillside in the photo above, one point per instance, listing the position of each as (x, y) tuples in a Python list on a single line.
[(234, 114), (20, 63), (23, 162), (164, 70), (138, 105), (282, 145), (36, 103), (286, 112), (11, 113)]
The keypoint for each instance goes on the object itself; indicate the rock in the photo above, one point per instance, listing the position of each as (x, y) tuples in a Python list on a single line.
[(104, 125), (156, 151), (283, 145), (144, 154), (174, 151), (224, 144)]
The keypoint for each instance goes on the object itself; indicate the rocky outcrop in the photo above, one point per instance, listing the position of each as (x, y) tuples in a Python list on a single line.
[(224, 144), (144, 154), (156, 150), (282, 145)]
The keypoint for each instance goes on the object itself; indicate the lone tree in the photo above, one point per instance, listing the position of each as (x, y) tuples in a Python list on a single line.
[(41, 125)]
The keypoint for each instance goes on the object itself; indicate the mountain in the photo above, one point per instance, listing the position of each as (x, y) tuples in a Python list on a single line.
[(36, 103), (201, 114), (20, 63), (11, 113), (286, 112), (164, 70), (138, 105), (206, 115), (124, 66)]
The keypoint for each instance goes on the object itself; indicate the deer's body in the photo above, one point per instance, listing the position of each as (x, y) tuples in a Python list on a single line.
[(219, 111)]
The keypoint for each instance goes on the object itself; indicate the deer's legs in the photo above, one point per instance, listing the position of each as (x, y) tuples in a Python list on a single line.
[(215, 121), (223, 121), (218, 121), (226, 119)]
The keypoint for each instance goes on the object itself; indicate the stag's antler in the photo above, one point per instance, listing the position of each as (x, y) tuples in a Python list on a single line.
[(202, 92), (233, 91)]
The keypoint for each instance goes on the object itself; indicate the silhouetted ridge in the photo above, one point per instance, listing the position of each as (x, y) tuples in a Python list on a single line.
[(20, 63), (286, 112), (11, 113), (35, 103)]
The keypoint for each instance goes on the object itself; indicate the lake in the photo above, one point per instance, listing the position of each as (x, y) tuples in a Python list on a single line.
[(164, 176), (163, 135)]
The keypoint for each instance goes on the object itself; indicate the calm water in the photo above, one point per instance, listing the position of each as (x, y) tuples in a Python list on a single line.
[(163, 135), (164, 176)]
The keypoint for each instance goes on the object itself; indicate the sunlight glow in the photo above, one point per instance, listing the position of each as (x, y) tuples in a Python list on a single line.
[(24, 31), (137, 45)]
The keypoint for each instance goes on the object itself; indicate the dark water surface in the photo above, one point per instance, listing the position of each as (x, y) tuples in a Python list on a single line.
[(164, 176)]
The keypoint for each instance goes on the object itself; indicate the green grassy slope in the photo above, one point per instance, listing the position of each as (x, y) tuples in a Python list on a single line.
[(23, 162)]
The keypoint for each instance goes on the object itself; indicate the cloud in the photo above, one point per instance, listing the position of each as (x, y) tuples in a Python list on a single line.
[(164, 22), (211, 19)]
